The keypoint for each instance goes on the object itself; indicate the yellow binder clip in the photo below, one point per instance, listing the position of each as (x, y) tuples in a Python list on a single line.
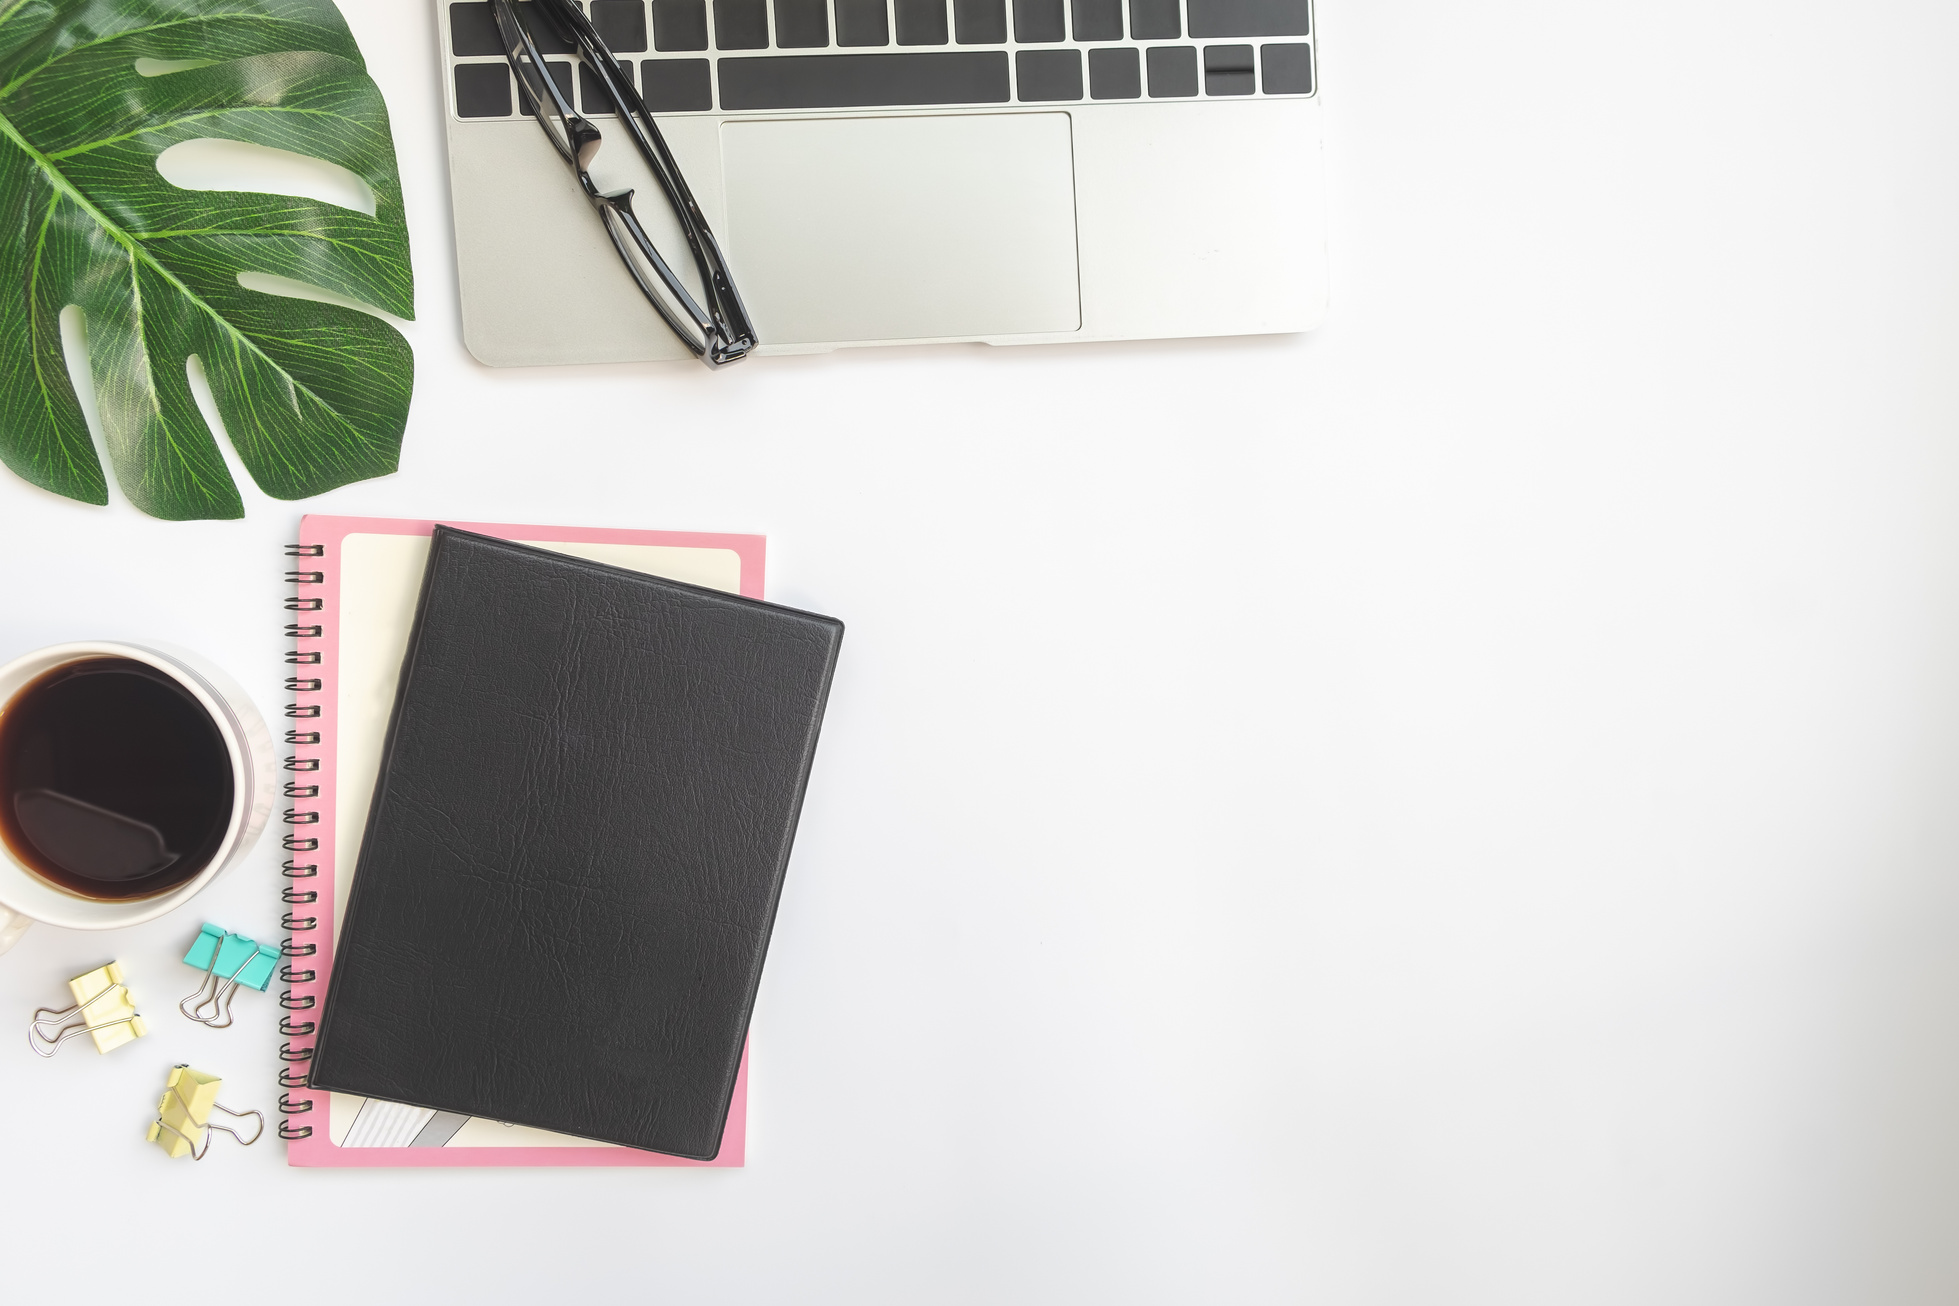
[(183, 1121), (103, 1010)]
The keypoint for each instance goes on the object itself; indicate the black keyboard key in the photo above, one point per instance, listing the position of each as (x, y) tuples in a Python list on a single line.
[(483, 90), (864, 81), (1288, 69), (473, 30), (802, 24), (1114, 74), (591, 96), (560, 73), (621, 25), (1228, 70), (545, 32), (741, 25), (862, 22), (1173, 71), (1048, 74), (1155, 20), (1250, 18), (1098, 20), (981, 22), (675, 85), (680, 24), (920, 22), (1036, 21)]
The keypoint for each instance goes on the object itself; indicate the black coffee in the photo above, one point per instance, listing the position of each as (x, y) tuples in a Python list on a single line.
[(114, 781)]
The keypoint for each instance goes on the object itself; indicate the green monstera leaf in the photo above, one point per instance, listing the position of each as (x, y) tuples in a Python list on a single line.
[(312, 395)]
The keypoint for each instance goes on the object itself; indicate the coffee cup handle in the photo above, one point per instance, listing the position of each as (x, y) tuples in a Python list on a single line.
[(12, 926)]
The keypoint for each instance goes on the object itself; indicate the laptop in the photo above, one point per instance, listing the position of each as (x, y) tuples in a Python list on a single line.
[(887, 172)]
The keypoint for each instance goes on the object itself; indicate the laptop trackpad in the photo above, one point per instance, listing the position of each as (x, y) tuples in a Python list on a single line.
[(903, 228)]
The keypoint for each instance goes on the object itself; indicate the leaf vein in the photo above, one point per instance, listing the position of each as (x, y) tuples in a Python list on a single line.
[(145, 130)]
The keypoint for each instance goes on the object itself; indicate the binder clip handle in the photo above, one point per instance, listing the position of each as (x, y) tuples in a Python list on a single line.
[(197, 1153), (46, 1045)]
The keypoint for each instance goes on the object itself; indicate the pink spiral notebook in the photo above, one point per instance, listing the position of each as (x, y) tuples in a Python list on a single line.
[(356, 581)]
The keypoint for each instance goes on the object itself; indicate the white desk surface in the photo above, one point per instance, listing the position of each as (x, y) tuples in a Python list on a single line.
[(1456, 808)]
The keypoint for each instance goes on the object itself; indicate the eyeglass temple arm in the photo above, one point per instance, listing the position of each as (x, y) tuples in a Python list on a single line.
[(617, 212)]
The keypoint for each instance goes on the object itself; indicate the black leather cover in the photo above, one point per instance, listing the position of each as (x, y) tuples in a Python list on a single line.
[(575, 849)]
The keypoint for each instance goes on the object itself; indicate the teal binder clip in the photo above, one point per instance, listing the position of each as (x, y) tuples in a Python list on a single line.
[(228, 961)]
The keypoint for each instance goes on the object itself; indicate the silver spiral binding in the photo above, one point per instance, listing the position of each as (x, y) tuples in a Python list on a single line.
[(298, 841)]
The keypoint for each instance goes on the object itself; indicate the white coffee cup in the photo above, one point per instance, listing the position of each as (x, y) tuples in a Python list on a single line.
[(25, 897)]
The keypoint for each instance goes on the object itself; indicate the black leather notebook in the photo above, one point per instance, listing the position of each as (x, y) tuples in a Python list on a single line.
[(577, 841)]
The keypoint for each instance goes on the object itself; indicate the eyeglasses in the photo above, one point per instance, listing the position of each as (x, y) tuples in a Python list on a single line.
[(719, 334)]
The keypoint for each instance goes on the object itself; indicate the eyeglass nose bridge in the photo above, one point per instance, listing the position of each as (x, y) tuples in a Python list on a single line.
[(585, 141)]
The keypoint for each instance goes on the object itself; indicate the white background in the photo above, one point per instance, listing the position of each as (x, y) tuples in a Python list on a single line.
[(1455, 808)]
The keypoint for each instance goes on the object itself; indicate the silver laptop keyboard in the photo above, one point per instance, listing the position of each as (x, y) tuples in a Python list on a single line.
[(701, 56)]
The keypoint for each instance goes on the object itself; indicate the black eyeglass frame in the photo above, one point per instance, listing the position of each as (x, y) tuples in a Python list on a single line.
[(721, 333)]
